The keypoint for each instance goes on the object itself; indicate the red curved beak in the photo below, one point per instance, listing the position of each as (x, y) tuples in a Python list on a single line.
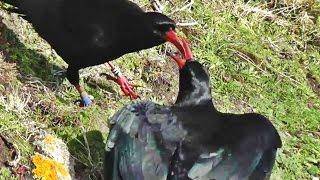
[(171, 36), (181, 62), (188, 55)]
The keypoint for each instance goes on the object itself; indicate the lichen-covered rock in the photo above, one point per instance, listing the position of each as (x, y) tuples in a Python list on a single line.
[(53, 162), (48, 169)]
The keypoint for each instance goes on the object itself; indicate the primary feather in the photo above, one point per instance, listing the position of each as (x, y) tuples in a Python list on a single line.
[(142, 141)]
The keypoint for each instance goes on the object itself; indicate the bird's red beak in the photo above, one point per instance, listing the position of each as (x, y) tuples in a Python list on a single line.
[(188, 55), (171, 36), (181, 62)]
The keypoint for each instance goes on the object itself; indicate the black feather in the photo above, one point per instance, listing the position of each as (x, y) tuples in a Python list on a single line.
[(141, 142), (191, 140), (91, 32)]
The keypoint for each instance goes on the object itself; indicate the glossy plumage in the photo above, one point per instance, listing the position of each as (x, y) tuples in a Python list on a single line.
[(91, 32), (190, 140), (140, 129)]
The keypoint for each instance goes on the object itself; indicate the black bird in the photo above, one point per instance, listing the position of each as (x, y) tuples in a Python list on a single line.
[(191, 139), (91, 32)]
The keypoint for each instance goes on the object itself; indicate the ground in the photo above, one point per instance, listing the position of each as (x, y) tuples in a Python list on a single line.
[(262, 57)]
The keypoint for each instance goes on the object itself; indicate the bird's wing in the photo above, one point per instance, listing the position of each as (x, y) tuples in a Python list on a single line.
[(247, 150), (223, 164), (101, 23), (142, 141)]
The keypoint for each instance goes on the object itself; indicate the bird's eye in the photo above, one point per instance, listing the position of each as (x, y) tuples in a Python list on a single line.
[(165, 27), (162, 28)]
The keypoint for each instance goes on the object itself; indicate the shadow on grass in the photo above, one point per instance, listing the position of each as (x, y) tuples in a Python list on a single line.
[(30, 63), (88, 152)]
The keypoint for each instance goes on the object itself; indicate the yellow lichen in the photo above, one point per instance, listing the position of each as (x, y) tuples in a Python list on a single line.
[(50, 142), (49, 139), (48, 169)]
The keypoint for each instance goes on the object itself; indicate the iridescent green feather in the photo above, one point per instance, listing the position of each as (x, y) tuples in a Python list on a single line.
[(143, 139)]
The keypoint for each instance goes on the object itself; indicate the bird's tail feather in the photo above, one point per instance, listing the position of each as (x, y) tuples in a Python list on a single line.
[(110, 166), (264, 168)]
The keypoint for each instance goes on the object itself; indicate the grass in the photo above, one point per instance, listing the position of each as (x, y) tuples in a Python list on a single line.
[(261, 57)]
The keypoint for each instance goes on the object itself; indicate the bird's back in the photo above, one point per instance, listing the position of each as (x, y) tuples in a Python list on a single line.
[(238, 147), (154, 142), (94, 30), (141, 143)]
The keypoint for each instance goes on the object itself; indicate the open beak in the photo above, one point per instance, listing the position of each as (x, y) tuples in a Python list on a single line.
[(188, 55), (181, 62), (171, 36)]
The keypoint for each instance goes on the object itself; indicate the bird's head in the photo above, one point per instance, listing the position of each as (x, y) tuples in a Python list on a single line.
[(163, 30), (194, 80)]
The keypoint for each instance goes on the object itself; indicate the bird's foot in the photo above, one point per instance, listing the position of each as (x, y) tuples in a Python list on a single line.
[(122, 81), (85, 100), (126, 87)]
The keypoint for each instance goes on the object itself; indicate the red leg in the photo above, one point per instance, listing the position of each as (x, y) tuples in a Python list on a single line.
[(125, 86)]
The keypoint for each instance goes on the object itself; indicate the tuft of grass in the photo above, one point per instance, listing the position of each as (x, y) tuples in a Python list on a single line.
[(88, 151), (5, 173)]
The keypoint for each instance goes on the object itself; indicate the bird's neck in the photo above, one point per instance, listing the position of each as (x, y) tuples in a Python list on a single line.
[(193, 93), (194, 98)]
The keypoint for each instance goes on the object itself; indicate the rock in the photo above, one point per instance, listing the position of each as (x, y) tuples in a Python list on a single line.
[(53, 160)]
